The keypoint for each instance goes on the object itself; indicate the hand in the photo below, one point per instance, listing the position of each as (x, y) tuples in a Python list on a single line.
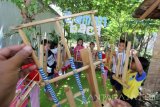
[(134, 52), (119, 103), (11, 59)]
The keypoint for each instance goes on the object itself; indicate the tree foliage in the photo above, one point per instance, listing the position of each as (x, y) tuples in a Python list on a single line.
[(118, 12)]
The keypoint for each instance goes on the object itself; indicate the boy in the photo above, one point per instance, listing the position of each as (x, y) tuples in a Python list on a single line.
[(121, 52), (134, 78)]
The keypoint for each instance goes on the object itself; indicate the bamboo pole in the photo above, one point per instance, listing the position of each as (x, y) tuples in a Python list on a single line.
[(75, 96), (91, 76), (95, 31), (25, 40), (28, 90), (70, 96), (125, 69), (150, 9), (63, 38), (53, 19), (59, 59), (70, 73), (45, 61), (118, 66), (98, 48), (111, 54), (41, 55)]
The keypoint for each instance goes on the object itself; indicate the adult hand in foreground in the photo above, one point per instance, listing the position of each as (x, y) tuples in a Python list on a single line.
[(11, 59), (119, 103)]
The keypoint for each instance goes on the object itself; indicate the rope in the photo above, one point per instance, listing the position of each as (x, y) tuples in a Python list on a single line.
[(76, 75), (49, 88)]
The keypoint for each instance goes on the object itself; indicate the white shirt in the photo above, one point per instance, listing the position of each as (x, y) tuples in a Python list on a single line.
[(115, 60)]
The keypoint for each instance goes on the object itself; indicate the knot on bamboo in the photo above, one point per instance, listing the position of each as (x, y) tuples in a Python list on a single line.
[(46, 82)]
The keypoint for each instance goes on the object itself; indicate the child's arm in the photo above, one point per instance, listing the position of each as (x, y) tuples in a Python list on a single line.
[(137, 62)]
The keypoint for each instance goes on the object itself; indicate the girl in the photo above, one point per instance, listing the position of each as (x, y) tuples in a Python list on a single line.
[(94, 52), (77, 57)]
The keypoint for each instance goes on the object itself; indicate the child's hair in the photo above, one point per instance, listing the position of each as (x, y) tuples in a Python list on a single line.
[(53, 45), (79, 40), (123, 41), (144, 62), (45, 41), (92, 43)]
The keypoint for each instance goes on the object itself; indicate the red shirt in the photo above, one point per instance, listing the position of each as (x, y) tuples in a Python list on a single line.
[(103, 57), (32, 73)]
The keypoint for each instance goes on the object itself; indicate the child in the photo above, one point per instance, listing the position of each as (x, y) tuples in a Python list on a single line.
[(121, 51), (135, 77), (94, 52), (77, 57), (51, 59), (51, 63)]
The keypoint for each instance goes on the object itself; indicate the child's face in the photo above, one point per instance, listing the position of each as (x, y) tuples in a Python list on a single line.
[(133, 66), (121, 47), (47, 46), (92, 46), (80, 42)]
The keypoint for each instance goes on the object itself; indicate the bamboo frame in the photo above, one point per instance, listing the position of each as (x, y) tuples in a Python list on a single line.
[(91, 65)]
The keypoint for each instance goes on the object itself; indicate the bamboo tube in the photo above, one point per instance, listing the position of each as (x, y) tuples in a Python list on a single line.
[(25, 40), (95, 30), (53, 19), (118, 66), (125, 70)]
